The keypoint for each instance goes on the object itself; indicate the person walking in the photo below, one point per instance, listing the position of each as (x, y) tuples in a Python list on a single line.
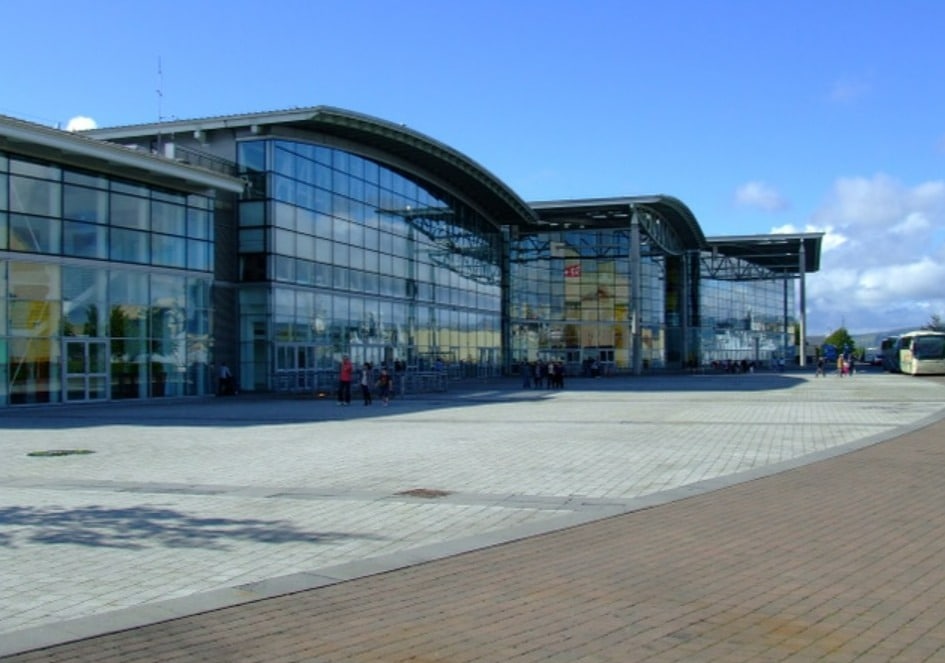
[(344, 381), (366, 383), (226, 380), (383, 386)]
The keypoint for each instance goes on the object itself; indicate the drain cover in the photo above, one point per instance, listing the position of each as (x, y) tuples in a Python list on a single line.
[(424, 492), (61, 452)]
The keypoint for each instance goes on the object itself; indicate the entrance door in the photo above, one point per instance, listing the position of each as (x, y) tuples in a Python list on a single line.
[(295, 367), (86, 369)]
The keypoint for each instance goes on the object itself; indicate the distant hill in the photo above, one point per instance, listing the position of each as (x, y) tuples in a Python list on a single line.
[(870, 340)]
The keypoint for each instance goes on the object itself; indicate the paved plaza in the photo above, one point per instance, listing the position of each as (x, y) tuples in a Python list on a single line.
[(193, 506)]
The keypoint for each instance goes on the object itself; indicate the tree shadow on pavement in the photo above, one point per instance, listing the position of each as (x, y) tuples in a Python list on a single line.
[(137, 528)]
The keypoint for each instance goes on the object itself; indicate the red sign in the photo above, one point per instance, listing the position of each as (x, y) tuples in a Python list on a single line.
[(572, 271)]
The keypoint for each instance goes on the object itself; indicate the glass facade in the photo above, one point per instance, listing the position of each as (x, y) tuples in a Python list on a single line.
[(340, 254), (571, 301), (745, 320), (340, 244), (122, 311)]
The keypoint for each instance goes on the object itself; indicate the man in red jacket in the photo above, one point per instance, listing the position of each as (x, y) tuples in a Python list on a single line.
[(344, 381)]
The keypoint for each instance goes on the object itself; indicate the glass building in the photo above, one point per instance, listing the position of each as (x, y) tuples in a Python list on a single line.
[(135, 259)]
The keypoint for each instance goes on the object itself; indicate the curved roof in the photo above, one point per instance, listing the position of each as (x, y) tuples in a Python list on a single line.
[(779, 253), (615, 212), (488, 192)]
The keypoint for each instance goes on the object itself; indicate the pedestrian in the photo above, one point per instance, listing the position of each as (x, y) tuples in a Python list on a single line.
[(344, 381), (383, 386), (557, 375), (225, 387), (820, 367), (366, 383)]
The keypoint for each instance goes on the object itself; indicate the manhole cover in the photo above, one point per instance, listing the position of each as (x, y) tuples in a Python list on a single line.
[(424, 492), (61, 452)]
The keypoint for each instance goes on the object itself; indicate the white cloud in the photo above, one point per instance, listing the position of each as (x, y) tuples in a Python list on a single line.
[(832, 239), (81, 123), (883, 258), (760, 196)]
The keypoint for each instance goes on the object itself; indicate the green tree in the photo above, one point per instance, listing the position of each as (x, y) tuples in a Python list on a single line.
[(841, 340)]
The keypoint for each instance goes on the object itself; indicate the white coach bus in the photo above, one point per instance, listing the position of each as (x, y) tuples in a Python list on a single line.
[(922, 352)]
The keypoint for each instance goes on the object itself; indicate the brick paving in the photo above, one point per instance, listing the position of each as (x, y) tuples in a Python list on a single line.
[(839, 560)]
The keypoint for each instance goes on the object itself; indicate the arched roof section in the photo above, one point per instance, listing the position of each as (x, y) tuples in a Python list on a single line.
[(491, 195), (593, 213)]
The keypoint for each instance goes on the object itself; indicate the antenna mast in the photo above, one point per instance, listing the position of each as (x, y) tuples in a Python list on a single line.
[(160, 100)]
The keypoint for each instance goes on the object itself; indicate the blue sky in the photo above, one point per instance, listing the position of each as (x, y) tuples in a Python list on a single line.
[(760, 116)]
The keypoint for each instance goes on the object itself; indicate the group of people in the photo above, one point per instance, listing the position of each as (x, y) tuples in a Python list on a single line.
[(541, 373), (845, 365), (368, 381)]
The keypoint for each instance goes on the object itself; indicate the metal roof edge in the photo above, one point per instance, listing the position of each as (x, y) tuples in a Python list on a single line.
[(71, 143), (328, 116)]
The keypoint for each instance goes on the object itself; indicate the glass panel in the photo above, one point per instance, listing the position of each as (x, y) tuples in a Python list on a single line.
[(84, 301), (129, 211), (252, 240), (127, 187), (129, 370), (81, 204), (284, 189), (75, 358), (168, 251), (284, 216), (84, 240), (34, 234), (85, 179), (34, 281), (3, 229), (198, 223), (305, 246), (168, 291), (169, 197), (304, 272), (129, 245), (34, 370), (75, 388), (97, 387), (283, 160), (198, 255), (97, 358), (252, 155), (128, 288), (34, 169), (285, 268), (198, 293), (253, 214), (285, 242), (167, 218)]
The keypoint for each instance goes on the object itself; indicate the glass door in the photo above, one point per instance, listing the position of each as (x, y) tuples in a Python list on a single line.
[(86, 369), (295, 367)]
